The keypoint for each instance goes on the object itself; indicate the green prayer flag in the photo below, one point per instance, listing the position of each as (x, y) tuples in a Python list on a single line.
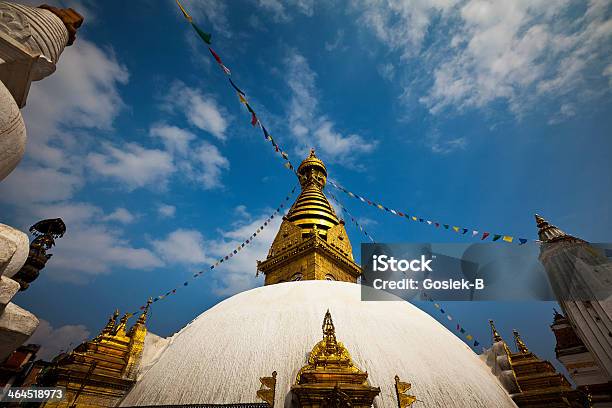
[(205, 36)]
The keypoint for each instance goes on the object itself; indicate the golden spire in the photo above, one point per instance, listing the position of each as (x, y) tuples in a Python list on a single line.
[(311, 243), (550, 233), (122, 323), (312, 209), (329, 334), (520, 344), (495, 334), (143, 317), (112, 321), (330, 373)]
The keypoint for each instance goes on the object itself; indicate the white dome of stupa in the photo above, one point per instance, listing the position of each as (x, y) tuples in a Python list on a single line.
[(219, 357)]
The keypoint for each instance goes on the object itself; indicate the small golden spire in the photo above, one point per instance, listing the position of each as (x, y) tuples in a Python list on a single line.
[(329, 334), (122, 323), (143, 317), (112, 321), (495, 334), (520, 344)]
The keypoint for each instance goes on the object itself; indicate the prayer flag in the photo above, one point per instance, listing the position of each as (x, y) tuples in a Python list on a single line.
[(414, 218), (484, 236), (437, 224), (476, 344), (218, 59), (441, 310), (464, 231), (446, 226), (187, 16), (236, 88), (508, 238), (254, 119), (522, 241), (242, 100), (496, 237), (462, 330), (474, 233), (204, 36), (266, 134), (456, 229), (469, 337), (449, 317)]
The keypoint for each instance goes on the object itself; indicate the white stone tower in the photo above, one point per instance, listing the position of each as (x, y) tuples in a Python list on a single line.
[(581, 278)]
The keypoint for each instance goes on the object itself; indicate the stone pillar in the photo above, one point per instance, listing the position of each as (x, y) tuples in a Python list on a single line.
[(31, 42)]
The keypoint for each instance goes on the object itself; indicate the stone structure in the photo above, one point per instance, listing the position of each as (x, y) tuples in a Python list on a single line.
[(532, 382), (99, 372), (311, 242), (31, 41), (581, 277), (16, 324)]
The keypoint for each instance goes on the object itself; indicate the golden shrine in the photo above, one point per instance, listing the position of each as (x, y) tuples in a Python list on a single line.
[(537, 384), (99, 372), (311, 243), (330, 378)]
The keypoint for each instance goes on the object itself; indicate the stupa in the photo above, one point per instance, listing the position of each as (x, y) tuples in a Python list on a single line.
[(268, 347)]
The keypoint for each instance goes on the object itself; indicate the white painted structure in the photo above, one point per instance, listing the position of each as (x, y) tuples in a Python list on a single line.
[(219, 357)]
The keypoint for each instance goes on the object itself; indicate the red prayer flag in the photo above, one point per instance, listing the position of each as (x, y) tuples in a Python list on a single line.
[(484, 235)]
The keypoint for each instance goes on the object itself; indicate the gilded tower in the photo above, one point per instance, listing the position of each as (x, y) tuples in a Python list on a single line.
[(99, 372), (311, 243)]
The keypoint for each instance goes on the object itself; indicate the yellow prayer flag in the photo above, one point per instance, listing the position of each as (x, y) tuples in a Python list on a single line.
[(187, 16), (242, 98), (508, 238), (456, 229), (414, 218), (469, 337)]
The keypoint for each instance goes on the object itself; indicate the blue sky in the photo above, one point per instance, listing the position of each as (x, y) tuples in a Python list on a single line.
[(476, 113)]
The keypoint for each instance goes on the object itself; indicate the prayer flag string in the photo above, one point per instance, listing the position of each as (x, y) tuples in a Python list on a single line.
[(283, 205), (462, 332), (457, 229), (255, 120), (353, 219)]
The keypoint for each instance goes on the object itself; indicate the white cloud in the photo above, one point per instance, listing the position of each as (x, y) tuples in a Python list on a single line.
[(238, 274), (401, 24), (132, 164), (27, 184), (201, 110), (308, 127), (199, 161), (182, 246), (174, 139), (209, 162), (53, 341), (215, 12), (89, 247), (336, 43), (441, 145), (82, 92), (121, 215), (520, 53), (280, 9), (387, 71), (166, 210)]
